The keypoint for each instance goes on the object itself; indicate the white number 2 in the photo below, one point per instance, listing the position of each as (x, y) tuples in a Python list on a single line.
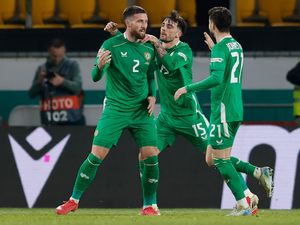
[(236, 78), (134, 68)]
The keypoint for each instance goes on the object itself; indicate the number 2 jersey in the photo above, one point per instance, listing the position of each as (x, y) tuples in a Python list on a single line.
[(225, 81), (129, 75)]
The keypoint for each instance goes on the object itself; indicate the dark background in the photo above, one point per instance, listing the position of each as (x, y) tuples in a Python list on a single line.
[(185, 180), (89, 40)]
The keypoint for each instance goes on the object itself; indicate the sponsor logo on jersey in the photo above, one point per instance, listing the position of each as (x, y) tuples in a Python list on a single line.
[(152, 181), (220, 142), (182, 55), (123, 54), (147, 56), (82, 175), (216, 60)]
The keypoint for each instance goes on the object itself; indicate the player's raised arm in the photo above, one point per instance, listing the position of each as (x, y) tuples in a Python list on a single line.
[(112, 28), (102, 62)]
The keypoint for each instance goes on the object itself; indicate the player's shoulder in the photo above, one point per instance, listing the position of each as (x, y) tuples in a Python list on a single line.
[(148, 46), (227, 45), (183, 49), (183, 46), (114, 41)]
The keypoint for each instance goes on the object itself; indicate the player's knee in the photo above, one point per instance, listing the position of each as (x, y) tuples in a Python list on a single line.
[(151, 160), (100, 152), (146, 152), (209, 162)]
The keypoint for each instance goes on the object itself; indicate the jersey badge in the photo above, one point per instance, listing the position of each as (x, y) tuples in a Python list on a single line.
[(147, 56)]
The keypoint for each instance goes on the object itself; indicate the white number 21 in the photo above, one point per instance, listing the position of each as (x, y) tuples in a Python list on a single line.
[(236, 78)]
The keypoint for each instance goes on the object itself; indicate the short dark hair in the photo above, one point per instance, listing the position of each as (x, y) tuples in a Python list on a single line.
[(221, 17), (131, 10), (175, 17), (56, 43)]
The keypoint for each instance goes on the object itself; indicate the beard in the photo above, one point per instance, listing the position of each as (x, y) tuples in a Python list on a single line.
[(165, 39), (212, 35), (139, 34)]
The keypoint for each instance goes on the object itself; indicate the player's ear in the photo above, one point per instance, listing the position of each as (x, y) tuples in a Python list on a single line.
[(179, 34), (127, 22)]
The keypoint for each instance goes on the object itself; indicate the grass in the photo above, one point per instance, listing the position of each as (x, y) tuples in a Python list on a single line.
[(13, 216)]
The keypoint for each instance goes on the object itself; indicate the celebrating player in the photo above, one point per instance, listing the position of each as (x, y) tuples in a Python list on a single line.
[(130, 101), (225, 78)]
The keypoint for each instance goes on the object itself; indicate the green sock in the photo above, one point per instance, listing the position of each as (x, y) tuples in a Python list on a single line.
[(85, 175), (141, 169), (150, 179), (242, 166), (230, 176), (243, 182)]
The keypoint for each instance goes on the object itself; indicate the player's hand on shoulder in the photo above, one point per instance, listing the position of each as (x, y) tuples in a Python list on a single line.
[(151, 105), (150, 38), (179, 92), (208, 40), (104, 57), (112, 28)]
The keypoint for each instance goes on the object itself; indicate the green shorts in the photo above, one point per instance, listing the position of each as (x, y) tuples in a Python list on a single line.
[(112, 123), (222, 135), (194, 128)]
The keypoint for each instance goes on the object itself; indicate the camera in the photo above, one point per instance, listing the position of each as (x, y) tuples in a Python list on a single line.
[(50, 75)]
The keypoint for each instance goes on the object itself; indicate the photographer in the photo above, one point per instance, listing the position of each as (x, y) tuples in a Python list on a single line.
[(58, 83)]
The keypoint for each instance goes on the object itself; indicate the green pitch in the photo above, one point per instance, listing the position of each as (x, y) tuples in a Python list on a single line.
[(12, 216)]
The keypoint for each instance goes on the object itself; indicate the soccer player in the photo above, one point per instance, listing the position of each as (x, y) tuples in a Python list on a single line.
[(130, 101), (184, 118), (225, 78)]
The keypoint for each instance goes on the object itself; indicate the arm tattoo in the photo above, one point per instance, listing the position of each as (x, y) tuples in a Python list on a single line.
[(160, 49)]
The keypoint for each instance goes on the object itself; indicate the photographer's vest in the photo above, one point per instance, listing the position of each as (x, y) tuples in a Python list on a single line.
[(58, 105), (296, 95)]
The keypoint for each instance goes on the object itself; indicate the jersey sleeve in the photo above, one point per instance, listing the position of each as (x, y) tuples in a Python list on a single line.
[(97, 73), (217, 69), (177, 59), (217, 59)]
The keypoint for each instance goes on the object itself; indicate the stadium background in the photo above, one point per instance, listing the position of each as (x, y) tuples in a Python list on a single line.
[(271, 48)]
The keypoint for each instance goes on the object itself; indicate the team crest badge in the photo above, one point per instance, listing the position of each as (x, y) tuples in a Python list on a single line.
[(147, 56)]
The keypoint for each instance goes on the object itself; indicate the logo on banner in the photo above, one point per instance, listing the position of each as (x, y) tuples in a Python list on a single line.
[(35, 172), (286, 148)]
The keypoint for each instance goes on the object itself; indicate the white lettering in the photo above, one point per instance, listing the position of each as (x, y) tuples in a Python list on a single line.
[(69, 103)]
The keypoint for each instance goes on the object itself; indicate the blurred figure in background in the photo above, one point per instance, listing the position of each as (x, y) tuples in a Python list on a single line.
[(58, 83), (293, 76)]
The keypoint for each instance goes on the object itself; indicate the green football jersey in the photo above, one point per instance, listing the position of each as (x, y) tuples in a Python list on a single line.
[(175, 72), (225, 81), (130, 73)]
